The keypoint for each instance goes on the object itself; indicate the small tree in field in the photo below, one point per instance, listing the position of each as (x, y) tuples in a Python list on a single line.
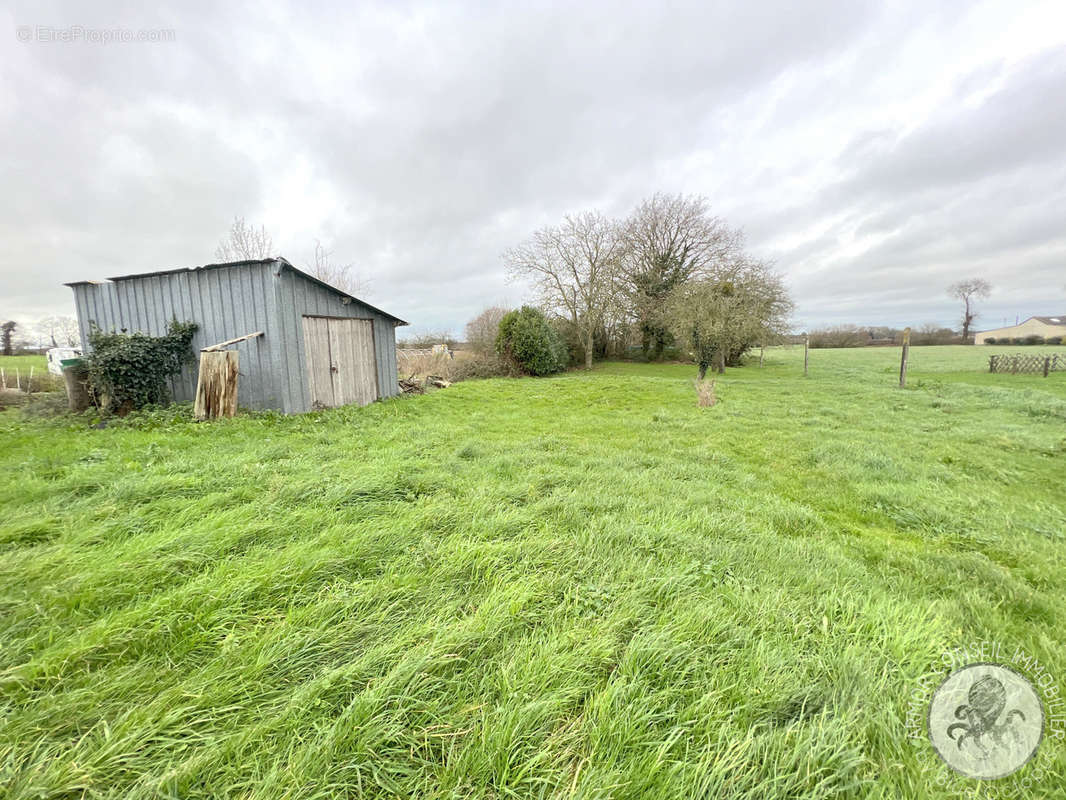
[(742, 306), (968, 291)]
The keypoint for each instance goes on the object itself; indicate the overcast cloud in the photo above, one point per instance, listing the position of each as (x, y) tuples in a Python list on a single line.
[(876, 151)]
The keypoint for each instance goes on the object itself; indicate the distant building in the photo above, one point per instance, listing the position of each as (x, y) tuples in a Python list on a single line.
[(1034, 326)]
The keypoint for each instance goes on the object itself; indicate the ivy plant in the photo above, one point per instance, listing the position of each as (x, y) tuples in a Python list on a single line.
[(130, 370)]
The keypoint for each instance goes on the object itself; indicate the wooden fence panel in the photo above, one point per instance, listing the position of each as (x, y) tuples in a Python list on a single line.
[(1027, 363)]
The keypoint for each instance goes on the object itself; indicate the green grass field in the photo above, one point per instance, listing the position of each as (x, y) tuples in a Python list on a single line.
[(27, 371), (580, 586), (23, 364)]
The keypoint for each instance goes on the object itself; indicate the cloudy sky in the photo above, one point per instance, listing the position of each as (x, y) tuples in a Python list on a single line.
[(876, 151)]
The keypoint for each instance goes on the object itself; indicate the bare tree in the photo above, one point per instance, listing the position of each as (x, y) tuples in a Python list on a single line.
[(968, 291), (245, 243), (742, 305), (427, 340), (573, 268), (670, 239), (59, 331), (340, 276), (482, 330)]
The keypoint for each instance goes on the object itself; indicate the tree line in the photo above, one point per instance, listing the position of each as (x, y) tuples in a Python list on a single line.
[(872, 336), (669, 278), (968, 291)]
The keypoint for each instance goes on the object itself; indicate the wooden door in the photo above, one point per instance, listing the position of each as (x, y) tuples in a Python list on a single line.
[(341, 367), (355, 374)]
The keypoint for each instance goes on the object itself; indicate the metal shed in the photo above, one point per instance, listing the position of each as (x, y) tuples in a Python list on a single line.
[(320, 346)]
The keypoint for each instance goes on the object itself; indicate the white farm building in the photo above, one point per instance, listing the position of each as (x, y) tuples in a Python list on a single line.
[(1046, 327)]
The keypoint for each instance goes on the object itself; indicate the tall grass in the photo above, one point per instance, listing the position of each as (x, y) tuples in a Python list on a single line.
[(582, 586)]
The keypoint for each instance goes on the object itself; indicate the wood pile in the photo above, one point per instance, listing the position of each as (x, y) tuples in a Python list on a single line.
[(412, 386)]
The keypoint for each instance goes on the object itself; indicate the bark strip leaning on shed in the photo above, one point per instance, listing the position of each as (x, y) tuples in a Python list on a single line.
[(216, 388)]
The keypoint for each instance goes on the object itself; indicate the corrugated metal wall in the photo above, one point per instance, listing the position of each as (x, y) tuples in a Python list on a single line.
[(232, 301)]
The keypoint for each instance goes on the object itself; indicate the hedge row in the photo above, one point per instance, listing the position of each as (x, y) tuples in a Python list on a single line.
[(1025, 340)]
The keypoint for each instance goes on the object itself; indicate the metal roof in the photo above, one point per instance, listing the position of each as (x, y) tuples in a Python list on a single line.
[(284, 263)]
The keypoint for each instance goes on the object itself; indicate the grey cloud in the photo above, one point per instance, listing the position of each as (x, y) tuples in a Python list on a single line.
[(1018, 125)]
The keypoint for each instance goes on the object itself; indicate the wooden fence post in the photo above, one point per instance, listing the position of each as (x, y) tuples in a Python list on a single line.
[(216, 386), (903, 357), (1047, 365), (991, 363), (806, 354)]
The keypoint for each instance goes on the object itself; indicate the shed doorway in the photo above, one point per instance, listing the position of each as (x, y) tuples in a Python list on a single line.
[(341, 367)]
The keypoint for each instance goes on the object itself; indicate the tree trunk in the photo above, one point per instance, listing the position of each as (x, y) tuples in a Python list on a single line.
[(703, 369), (645, 341), (721, 361), (588, 349), (76, 378)]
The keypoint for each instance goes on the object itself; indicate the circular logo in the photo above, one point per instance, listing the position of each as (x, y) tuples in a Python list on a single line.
[(986, 721)]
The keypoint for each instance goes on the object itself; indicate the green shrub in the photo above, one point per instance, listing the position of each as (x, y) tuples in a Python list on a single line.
[(990, 340), (1053, 340), (130, 370), (528, 340), (1032, 339)]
